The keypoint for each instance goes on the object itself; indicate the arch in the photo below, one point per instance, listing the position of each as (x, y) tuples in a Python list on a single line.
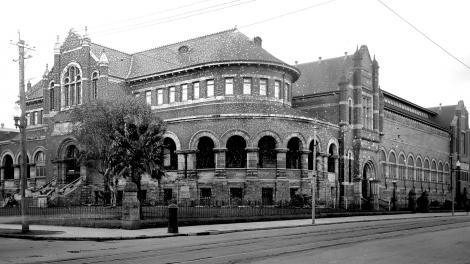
[(255, 141), (7, 164), (235, 156), (392, 163), (401, 166), (331, 142), (433, 170), (194, 141), (37, 149), (39, 160), (440, 168), (63, 146), (267, 152), (28, 161), (294, 135), (170, 158), (174, 137), (205, 156), (313, 145), (318, 142), (71, 162), (426, 169), (293, 155), (234, 132), (368, 174), (383, 154), (94, 84), (18, 155), (7, 152), (332, 154), (411, 167)]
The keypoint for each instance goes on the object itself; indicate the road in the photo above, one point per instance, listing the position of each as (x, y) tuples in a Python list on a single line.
[(430, 240)]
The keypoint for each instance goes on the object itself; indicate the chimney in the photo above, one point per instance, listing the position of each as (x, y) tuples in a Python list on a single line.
[(440, 107), (28, 86), (319, 59), (258, 41), (2, 125)]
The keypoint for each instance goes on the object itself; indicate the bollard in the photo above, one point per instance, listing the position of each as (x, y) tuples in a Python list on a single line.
[(172, 218)]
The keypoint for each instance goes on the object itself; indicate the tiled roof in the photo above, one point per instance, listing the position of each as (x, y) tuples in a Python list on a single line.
[(36, 91), (321, 76), (445, 114), (119, 62), (7, 134), (230, 45)]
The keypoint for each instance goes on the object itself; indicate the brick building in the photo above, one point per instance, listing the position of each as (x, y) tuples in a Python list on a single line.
[(243, 125)]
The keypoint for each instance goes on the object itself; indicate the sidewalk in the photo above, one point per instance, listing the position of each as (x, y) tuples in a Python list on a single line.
[(44, 232)]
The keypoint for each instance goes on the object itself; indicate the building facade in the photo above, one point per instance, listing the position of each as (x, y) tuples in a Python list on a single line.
[(244, 126)]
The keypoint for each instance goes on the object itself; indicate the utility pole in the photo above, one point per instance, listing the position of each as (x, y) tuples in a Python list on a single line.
[(22, 126)]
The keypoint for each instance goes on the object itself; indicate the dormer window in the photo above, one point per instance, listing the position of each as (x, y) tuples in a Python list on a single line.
[(71, 86), (183, 49)]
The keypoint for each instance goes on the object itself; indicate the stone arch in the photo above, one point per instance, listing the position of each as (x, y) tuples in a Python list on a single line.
[(174, 137), (333, 141), (292, 135), (410, 163), (17, 157), (368, 172), (203, 133), (61, 150), (315, 139), (234, 132), (7, 152), (254, 142), (65, 69), (36, 150)]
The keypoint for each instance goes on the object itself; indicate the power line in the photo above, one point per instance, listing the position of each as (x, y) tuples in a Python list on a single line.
[(154, 13), (424, 35), (287, 14), (177, 17)]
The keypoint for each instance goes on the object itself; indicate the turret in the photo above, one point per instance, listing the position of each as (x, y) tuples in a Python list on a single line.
[(376, 92)]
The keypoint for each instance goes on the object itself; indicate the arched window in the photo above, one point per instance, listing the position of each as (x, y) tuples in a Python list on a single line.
[(51, 96), (446, 174), (293, 153), (426, 170), (236, 152), (94, 85), (170, 159), (350, 165), (383, 163), (267, 152), (205, 153), (402, 167), (313, 147), (28, 169), (72, 87), (332, 158), (433, 171), (411, 168), (419, 169), (350, 111), (392, 163), (8, 170), (40, 162), (440, 178), (72, 166)]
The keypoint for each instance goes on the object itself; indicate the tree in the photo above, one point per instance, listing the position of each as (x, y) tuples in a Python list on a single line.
[(120, 138)]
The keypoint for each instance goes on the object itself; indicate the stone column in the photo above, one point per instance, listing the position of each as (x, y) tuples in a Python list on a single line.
[(220, 162), (220, 181), (130, 207), (281, 162), (191, 163), (304, 162)]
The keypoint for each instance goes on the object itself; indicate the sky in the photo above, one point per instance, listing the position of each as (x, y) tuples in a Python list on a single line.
[(411, 66)]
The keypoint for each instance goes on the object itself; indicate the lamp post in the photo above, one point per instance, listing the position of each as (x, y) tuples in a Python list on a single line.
[(394, 197), (452, 181)]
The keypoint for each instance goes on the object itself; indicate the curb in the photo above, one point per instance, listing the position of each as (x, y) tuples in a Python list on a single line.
[(202, 233)]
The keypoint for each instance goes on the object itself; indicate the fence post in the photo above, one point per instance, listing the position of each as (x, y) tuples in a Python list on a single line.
[(172, 218)]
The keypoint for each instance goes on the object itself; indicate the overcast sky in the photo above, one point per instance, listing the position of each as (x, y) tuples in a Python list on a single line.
[(410, 65)]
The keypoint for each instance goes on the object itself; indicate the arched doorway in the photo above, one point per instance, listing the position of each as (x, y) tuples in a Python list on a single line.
[(293, 158), (205, 157), (368, 174), (72, 165), (236, 152), (170, 158), (8, 169), (267, 152)]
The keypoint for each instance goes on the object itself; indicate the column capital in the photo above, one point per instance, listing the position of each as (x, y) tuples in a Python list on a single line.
[(281, 150), (305, 151), (185, 151), (252, 149), (220, 149)]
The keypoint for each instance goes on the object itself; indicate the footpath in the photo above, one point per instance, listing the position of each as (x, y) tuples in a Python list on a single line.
[(45, 232)]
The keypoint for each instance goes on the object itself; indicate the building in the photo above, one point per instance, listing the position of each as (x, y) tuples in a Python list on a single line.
[(244, 126)]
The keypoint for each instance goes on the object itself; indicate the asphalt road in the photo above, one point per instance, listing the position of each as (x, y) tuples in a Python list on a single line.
[(432, 240)]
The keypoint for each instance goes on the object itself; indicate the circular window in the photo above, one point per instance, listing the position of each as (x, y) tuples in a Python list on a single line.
[(183, 49)]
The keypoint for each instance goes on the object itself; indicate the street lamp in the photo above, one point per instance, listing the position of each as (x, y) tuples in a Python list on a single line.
[(394, 197), (452, 181)]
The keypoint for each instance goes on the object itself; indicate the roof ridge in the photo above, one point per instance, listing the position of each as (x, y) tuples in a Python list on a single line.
[(106, 47), (200, 37), (328, 59)]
